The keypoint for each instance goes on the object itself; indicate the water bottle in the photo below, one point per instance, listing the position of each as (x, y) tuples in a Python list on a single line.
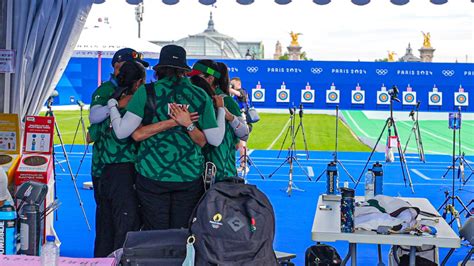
[(369, 185), (8, 236), (50, 252), (347, 210), (378, 178), (331, 179)]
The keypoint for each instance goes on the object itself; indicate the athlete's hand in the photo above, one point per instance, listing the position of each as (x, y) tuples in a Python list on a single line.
[(218, 101), (228, 115), (194, 117), (112, 103), (180, 115)]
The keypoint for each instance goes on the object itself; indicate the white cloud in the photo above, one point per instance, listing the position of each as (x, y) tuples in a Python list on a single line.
[(337, 31)]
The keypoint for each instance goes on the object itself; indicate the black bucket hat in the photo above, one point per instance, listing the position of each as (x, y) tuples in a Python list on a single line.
[(172, 56), (128, 54)]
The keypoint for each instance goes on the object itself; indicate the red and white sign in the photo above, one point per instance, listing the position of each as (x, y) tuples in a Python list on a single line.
[(34, 167), (36, 162), (39, 133)]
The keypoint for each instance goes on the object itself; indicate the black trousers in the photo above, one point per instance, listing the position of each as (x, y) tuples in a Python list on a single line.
[(167, 205), (117, 209)]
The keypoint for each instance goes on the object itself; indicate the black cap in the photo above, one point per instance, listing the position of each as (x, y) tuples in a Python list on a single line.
[(172, 56), (128, 54), (347, 192)]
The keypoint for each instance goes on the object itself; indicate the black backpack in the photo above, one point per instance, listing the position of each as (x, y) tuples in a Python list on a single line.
[(322, 255), (234, 224)]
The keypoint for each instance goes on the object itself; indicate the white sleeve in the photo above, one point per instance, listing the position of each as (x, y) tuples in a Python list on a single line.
[(214, 136), (241, 129), (124, 127), (98, 113)]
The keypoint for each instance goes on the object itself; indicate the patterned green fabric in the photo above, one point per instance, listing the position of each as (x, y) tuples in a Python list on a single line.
[(223, 156), (99, 97), (172, 156), (107, 147)]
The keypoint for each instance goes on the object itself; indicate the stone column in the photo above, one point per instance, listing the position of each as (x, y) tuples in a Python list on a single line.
[(426, 54), (294, 52)]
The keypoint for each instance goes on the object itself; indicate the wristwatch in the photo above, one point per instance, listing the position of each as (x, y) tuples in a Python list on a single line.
[(191, 127)]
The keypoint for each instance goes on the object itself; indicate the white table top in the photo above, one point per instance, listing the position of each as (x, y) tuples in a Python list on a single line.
[(326, 228)]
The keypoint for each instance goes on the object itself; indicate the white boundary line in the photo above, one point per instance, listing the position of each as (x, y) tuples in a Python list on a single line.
[(357, 125), (279, 135), (438, 137), (420, 174)]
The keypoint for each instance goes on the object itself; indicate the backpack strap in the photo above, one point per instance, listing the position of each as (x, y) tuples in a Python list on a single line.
[(150, 105)]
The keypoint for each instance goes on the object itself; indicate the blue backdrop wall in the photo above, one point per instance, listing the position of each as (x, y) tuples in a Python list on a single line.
[(80, 80)]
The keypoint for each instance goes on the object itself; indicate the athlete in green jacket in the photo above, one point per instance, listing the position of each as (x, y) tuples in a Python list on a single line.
[(169, 161)]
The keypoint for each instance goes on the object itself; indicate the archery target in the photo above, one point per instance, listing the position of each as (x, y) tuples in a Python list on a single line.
[(258, 95), (435, 98), (307, 96), (283, 96), (332, 96), (383, 97), (461, 99), (358, 97), (409, 98)]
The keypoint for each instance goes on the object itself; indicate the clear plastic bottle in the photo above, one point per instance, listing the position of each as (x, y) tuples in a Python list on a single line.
[(369, 185), (50, 252)]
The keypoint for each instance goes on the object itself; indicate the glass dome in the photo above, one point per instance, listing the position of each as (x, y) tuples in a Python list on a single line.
[(210, 44)]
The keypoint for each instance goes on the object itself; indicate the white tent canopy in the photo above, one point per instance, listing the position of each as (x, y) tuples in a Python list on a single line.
[(102, 38)]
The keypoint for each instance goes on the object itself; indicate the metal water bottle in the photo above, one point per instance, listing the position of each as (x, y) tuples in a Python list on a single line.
[(331, 181), (30, 230), (378, 175), (8, 235), (347, 210)]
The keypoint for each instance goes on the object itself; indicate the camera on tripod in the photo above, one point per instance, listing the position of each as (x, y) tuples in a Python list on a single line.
[(393, 92)]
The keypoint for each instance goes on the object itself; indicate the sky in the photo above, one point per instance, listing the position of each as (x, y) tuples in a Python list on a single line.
[(339, 31)]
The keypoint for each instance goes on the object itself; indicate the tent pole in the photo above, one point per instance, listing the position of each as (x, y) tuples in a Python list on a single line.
[(8, 46)]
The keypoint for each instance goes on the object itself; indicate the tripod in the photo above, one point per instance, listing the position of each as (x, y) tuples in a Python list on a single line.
[(335, 160), (388, 124), (300, 125), (460, 158), (246, 158), (449, 207), (51, 114), (291, 158), (416, 130), (80, 123)]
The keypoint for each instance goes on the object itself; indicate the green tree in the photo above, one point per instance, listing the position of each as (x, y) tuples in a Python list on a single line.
[(284, 57)]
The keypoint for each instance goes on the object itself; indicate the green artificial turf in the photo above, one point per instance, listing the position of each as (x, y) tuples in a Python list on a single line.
[(319, 131), (436, 136)]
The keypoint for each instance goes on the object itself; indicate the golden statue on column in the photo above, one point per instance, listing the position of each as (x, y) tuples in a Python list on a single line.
[(391, 56), (426, 40), (294, 38)]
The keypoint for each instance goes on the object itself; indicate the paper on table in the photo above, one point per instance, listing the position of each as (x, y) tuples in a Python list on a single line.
[(22, 260)]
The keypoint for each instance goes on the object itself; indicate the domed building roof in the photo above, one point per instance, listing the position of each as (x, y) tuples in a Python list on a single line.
[(210, 44), (409, 57)]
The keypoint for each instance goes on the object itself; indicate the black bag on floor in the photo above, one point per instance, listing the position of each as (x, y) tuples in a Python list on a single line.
[(155, 247), (234, 224), (322, 255)]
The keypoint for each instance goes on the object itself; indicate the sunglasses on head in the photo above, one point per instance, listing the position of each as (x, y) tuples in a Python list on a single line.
[(133, 55), (137, 55)]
